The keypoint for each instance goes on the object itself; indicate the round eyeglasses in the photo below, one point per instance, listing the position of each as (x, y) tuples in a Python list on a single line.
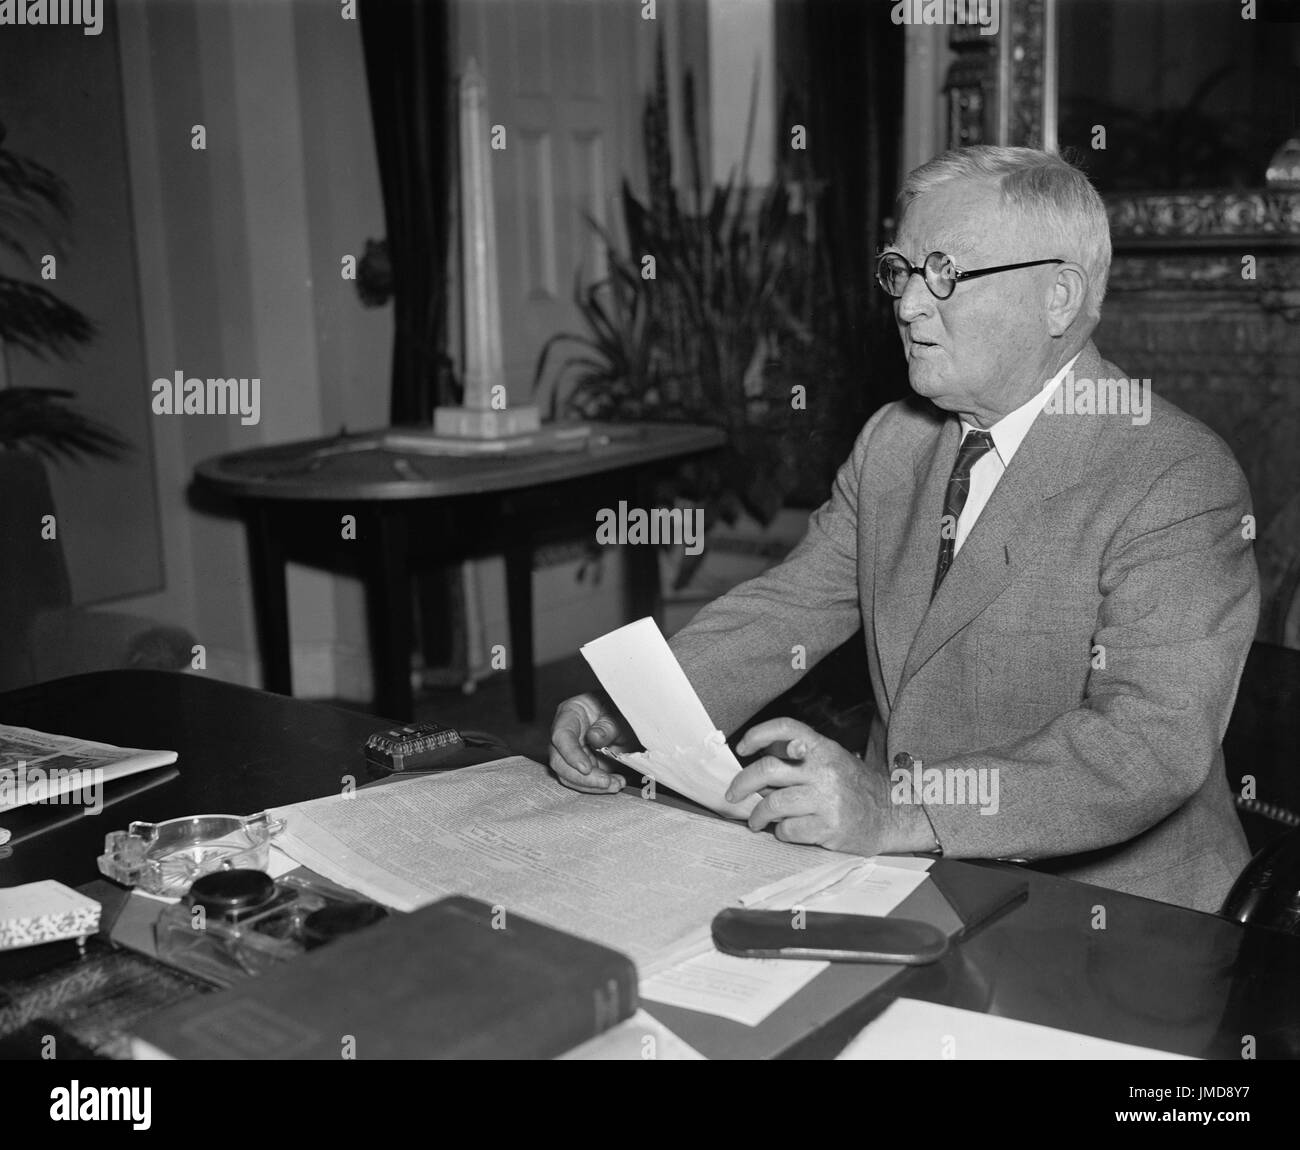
[(939, 272)]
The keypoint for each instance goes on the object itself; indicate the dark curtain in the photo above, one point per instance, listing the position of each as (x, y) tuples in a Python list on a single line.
[(840, 74), (409, 72), (855, 114)]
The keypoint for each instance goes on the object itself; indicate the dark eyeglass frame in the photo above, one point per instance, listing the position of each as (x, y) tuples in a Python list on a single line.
[(930, 271)]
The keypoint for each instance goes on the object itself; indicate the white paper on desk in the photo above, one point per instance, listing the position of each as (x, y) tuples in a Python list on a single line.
[(633, 874), (641, 1038), (875, 887), (798, 889), (747, 990), (848, 884), (278, 863), (910, 1029), (683, 749)]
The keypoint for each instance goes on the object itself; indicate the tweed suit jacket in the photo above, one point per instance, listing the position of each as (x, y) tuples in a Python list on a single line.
[(1087, 641)]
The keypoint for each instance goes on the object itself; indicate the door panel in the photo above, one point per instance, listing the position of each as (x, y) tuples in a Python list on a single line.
[(565, 79)]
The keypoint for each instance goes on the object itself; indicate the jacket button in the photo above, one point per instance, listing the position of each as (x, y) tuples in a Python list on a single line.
[(902, 761)]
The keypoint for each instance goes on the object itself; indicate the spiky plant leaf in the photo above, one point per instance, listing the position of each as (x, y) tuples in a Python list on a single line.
[(38, 322), (40, 420)]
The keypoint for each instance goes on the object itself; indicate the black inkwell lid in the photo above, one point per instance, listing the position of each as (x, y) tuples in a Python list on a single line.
[(231, 894)]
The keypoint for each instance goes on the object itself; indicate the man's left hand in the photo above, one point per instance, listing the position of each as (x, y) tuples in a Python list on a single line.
[(822, 794)]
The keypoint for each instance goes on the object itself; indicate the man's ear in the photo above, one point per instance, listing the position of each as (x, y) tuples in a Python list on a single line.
[(1068, 293)]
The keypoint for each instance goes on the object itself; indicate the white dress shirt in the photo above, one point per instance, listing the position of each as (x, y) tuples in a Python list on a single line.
[(1008, 434)]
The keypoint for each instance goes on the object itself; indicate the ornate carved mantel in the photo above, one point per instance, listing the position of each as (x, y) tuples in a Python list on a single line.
[(1204, 299)]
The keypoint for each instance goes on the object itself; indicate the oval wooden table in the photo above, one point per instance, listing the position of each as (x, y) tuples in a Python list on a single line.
[(413, 510)]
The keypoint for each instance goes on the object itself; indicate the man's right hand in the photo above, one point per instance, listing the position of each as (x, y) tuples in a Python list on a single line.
[(583, 722)]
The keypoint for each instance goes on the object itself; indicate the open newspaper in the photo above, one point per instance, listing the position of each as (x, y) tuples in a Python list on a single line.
[(38, 767), (621, 870)]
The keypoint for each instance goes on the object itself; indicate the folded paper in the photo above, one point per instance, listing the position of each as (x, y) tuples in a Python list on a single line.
[(683, 749)]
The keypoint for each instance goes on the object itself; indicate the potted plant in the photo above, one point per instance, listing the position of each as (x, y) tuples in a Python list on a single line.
[(714, 311), (41, 420)]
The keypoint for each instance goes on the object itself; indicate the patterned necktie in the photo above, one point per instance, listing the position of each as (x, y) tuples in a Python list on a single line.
[(972, 449)]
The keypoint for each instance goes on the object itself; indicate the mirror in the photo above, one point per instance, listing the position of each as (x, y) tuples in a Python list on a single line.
[(1174, 94)]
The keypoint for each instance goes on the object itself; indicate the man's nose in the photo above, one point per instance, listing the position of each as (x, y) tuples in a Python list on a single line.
[(916, 301)]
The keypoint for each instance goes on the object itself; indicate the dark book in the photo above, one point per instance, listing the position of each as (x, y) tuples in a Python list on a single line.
[(452, 980)]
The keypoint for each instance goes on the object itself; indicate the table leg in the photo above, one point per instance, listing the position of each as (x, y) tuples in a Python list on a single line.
[(266, 556), (519, 606), (388, 596)]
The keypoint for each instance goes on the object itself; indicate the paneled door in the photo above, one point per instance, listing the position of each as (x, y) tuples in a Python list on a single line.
[(566, 79)]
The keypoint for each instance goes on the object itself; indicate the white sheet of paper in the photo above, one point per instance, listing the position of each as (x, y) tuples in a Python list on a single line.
[(278, 863), (910, 1029), (641, 1038), (683, 749), (874, 887), (747, 990)]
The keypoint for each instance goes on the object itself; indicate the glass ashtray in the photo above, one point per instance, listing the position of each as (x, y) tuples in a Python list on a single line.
[(165, 858)]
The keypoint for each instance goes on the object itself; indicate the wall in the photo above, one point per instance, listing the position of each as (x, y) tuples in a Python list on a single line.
[(742, 53), (60, 103), (239, 249)]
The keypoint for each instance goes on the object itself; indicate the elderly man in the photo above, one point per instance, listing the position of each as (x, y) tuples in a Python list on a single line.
[(1056, 587)]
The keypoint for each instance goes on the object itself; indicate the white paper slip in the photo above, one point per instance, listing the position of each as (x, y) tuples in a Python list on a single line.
[(793, 890), (683, 749), (909, 1029), (745, 990), (641, 1038), (874, 887), (278, 863)]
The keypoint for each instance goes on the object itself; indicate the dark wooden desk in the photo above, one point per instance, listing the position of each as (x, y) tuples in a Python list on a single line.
[(1156, 976), (413, 511)]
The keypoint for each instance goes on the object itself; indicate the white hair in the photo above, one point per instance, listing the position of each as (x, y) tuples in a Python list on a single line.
[(1052, 195)]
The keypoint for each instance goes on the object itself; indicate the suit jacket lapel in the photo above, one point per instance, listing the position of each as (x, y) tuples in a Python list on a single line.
[(907, 548), (1052, 458)]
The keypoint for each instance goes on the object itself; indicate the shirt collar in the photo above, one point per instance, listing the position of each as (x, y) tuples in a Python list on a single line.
[(1009, 432)]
